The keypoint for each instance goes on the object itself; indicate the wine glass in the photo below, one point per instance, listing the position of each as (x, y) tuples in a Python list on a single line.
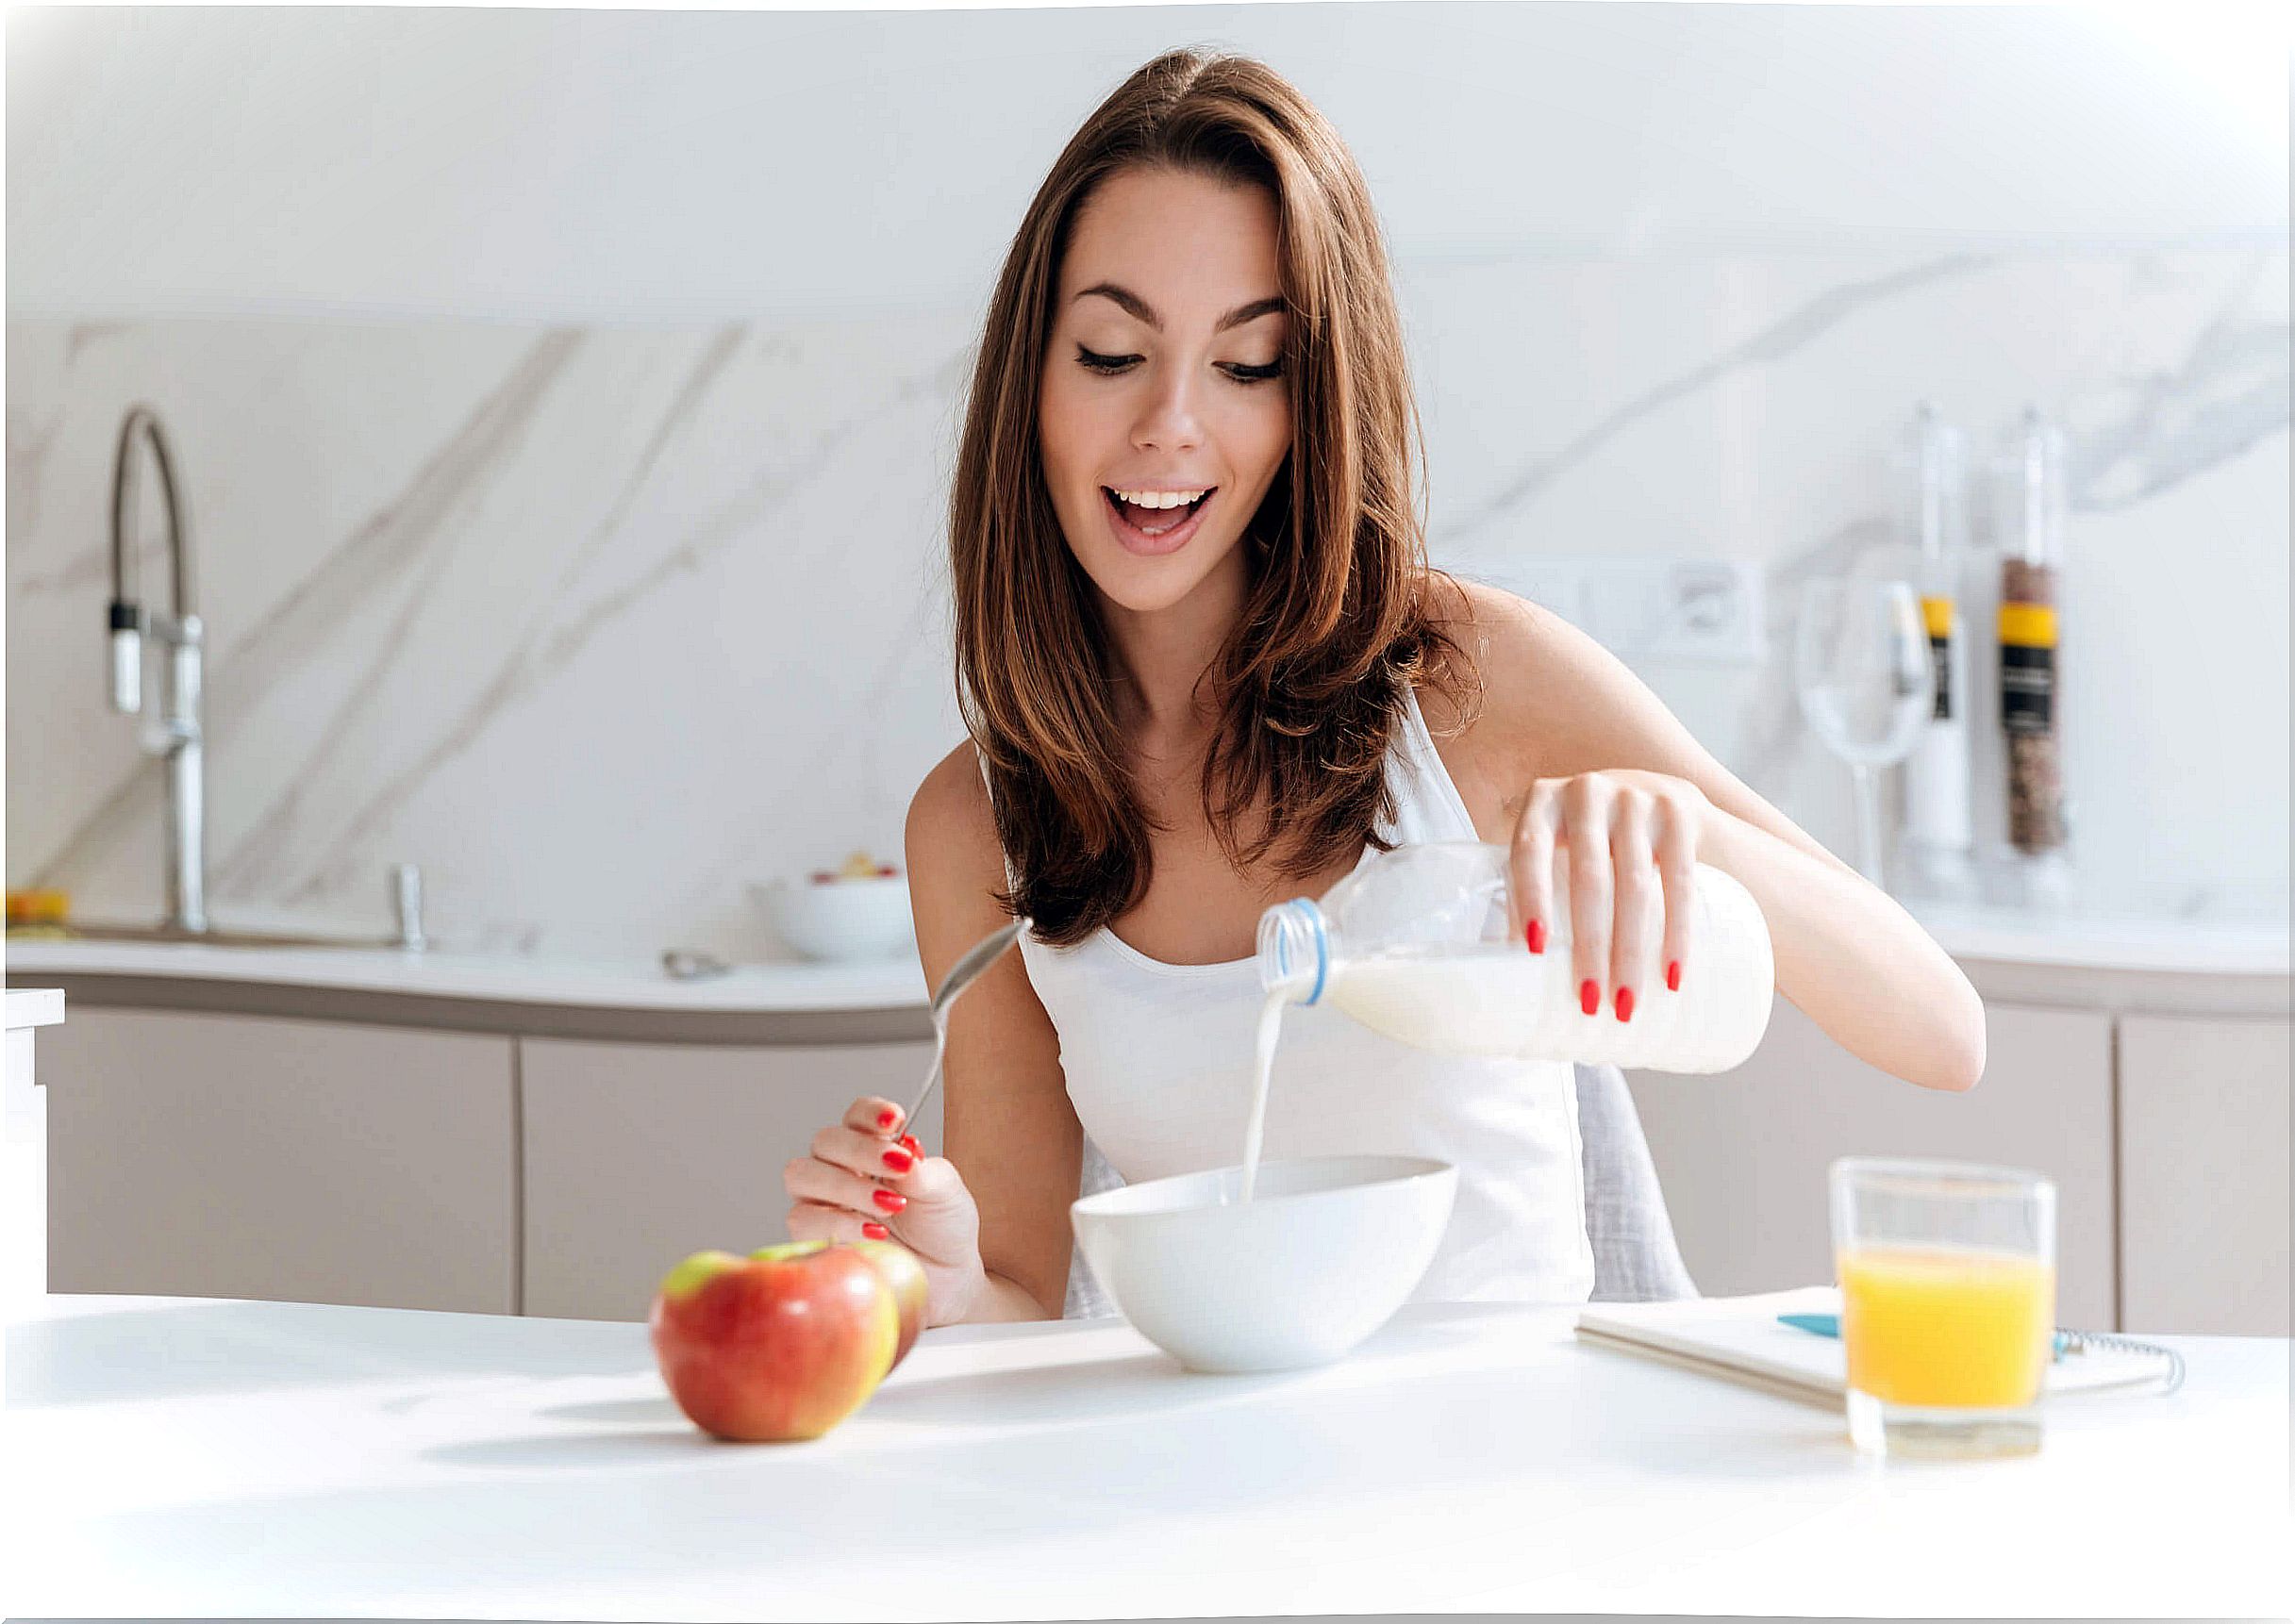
[(1861, 665)]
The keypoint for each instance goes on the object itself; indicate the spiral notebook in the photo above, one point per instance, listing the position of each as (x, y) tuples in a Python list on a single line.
[(1739, 1340)]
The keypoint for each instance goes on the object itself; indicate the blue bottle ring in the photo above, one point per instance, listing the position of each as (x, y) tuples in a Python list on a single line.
[(1313, 916)]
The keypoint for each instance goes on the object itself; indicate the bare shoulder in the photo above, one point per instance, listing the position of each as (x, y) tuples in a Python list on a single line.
[(954, 792), (956, 863)]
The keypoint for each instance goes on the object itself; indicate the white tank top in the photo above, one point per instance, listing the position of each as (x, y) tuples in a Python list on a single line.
[(1158, 1065)]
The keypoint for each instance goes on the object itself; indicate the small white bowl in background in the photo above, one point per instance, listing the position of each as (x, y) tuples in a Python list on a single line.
[(840, 920), (1321, 1256)]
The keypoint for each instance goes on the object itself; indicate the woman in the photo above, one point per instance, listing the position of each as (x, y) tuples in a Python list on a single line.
[(1204, 667)]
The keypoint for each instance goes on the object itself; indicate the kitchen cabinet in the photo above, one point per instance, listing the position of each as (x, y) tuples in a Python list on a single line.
[(638, 1154), (365, 1155), (1743, 1156), (2204, 1174), (251, 1156)]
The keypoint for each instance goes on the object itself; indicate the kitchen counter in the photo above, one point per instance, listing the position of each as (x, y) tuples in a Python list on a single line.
[(2070, 960), (621, 983), (2108, 941), (220, 1458), (625, 998)]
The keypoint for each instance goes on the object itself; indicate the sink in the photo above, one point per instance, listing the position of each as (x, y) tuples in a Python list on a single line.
[(212, 937)]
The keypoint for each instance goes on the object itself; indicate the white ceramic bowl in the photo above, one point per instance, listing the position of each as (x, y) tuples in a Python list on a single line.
[(1321, 1256), (840, 919)]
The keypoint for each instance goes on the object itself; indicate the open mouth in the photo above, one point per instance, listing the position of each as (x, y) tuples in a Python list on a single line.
[(1155, 529)]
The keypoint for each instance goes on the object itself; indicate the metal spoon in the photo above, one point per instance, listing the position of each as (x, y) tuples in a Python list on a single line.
[(966, 971)]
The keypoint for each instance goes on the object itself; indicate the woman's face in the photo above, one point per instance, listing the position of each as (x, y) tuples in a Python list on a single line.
[(1164, 379)]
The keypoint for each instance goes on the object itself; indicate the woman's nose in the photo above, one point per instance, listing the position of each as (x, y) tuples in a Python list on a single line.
[(1167, 418)]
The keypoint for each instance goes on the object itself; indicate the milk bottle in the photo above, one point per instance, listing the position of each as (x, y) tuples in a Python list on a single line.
[(1419, 944)]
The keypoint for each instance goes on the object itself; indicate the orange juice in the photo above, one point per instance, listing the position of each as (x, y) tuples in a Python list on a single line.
[(1953, 1328)]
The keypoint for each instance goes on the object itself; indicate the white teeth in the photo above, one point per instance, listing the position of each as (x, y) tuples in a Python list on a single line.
[(1159, 498)]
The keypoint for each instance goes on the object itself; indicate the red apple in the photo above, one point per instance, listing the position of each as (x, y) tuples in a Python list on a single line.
[(782, 1344), (906, 1275)]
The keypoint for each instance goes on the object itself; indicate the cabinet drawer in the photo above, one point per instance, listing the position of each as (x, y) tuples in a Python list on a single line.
[(224, 1155), (2204, 1169)]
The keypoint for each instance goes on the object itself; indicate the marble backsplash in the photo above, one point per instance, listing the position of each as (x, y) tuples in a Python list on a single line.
[(601, 624)]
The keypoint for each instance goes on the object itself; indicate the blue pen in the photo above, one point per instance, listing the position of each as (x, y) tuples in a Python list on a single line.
[(1829, 1325)]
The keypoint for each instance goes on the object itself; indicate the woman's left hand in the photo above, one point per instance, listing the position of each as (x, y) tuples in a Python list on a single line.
[(1633, 840)]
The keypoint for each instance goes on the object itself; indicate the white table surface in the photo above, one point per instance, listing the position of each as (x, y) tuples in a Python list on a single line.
[(219, 1458)]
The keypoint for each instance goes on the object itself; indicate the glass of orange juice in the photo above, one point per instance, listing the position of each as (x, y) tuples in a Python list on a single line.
[(1947, 1301)]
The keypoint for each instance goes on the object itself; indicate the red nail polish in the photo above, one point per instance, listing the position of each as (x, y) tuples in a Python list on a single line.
[(1589, 996), (891, 1200), (1673, 976), (1626, 1003), (899, 1161), (1535, 936), (886, 1118), (910, 1140), (876, 1232)]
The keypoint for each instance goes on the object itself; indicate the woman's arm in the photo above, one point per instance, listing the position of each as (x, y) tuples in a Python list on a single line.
[(989, 1219), (1848, 954), (1559, 705), (1008, 1129)]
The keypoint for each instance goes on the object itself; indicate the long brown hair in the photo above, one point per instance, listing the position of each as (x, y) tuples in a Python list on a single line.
[(1338, 622)]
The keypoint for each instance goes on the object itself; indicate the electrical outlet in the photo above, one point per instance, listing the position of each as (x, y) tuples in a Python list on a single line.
[(1710, 611)]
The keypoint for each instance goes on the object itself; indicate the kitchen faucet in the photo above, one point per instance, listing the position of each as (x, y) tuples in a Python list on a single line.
[(180, 633), (182, 739)]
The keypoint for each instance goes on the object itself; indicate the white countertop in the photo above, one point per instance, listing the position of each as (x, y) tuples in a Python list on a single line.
[(2097, 940), (184, 1456), (1970, 933), (609, 983)]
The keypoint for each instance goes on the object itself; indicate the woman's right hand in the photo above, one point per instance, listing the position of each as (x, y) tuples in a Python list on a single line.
[(867, 1180)]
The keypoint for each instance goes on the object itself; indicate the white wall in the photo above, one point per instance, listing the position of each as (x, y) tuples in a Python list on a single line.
[(564, 399), (609, 165)]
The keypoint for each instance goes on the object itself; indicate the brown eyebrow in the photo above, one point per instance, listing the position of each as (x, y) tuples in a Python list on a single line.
[(1137, 306)]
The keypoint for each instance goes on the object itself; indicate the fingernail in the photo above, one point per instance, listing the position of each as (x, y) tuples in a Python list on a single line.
[(1589, 996), (886, 1118), (876, 1232), (1673, 976), (891, 1200), (901, 1161), (910, 1140), (1536, 935), (1626, 1003)]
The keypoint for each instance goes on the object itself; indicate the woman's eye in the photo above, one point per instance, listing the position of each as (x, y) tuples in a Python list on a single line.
[(1109, 366)]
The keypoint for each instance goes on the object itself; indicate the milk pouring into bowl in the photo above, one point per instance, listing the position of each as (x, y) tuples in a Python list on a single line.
[(1419, 944)]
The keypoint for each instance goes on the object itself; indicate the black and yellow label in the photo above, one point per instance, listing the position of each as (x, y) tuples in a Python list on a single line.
[(2027, 667), (1936, 614)]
